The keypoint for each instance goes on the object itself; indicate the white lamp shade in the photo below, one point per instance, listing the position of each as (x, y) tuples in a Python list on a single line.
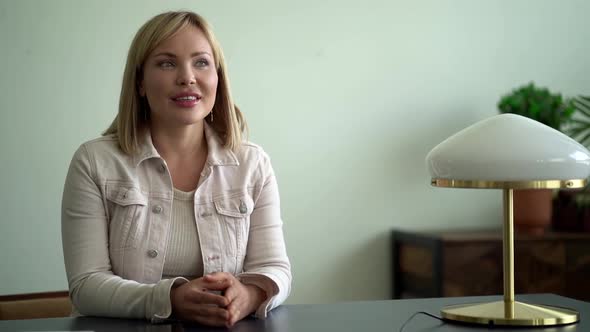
[(509, 147)]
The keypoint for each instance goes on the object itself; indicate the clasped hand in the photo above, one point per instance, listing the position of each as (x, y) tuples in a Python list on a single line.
[(197, 300)]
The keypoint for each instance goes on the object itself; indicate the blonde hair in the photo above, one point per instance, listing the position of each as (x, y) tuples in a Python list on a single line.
[(134, 113)]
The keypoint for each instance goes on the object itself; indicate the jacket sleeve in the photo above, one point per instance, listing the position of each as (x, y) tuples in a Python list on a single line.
[(266, 264), (94, 289)]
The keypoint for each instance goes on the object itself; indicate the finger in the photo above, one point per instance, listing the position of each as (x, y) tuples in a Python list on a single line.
[(219, 277), (203, 297), (234, 316), (211, 320), (234, 309), (217, 286), (210, 315), (205, 285), (210, 311), (231, 293)]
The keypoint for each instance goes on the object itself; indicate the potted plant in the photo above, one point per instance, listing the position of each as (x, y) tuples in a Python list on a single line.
[(572, 207), (538, 104), (533, 208)]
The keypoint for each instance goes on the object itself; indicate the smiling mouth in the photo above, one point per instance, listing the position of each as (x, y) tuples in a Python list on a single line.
[(186, 98), (187, 102)]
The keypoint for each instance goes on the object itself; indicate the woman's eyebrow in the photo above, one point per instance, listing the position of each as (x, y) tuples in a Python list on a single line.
[(172, 55)]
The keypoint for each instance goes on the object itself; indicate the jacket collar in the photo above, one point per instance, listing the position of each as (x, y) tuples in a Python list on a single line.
[(218, 155)]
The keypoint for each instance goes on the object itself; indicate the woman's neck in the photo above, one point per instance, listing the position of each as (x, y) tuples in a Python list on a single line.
[(180, 144)]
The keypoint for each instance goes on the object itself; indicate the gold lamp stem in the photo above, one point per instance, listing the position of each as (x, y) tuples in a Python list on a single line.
[(508, 253)]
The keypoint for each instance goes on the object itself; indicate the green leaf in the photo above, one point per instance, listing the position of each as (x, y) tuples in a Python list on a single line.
[(581, 122), (585, 140)]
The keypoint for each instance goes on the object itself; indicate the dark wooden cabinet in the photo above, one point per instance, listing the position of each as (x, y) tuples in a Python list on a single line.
[(469, 263)]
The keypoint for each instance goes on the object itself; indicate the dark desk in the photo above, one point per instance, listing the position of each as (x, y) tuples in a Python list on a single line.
[(352, 316)]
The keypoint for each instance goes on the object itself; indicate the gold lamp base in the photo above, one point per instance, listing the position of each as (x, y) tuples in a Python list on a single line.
[(510, 313)]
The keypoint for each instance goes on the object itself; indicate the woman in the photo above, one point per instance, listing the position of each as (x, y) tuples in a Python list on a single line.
[(171, 214)]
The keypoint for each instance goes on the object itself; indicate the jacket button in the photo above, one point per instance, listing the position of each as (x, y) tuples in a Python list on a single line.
[(162, 168), (157, 209), (152, 253), (243, 207)]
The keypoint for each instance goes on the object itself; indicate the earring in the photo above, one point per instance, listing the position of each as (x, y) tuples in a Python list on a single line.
[(211, 116)]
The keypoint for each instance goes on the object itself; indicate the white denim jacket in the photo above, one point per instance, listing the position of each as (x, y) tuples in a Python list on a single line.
[(116, 215)]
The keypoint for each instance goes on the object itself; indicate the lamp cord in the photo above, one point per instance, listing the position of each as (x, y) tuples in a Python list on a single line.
[(401, 329)]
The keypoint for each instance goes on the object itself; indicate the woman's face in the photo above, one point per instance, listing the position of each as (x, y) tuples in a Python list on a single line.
[(180, 79)]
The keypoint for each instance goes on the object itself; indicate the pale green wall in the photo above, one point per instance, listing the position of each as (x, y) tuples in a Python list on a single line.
[(346, 96)]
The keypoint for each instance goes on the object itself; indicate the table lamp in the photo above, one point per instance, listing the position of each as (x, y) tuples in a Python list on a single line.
[(509, 152)]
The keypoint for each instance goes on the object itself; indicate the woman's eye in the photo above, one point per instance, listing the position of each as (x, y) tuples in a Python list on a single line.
[(166, 64), (201, 63)]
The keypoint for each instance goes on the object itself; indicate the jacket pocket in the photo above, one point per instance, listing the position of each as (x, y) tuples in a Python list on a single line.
[(234, 215), (126, 210)]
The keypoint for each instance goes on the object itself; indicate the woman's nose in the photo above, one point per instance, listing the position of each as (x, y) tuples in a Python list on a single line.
[(186, 76)]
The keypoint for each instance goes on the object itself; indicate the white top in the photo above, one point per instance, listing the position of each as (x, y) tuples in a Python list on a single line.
[(183, 255)]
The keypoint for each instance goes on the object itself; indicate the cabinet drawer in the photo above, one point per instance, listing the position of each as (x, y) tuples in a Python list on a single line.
[(431, 264)]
